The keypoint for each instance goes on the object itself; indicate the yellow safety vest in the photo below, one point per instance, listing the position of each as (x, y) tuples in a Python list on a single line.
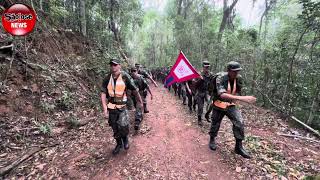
[(222, 104), (117, 94)]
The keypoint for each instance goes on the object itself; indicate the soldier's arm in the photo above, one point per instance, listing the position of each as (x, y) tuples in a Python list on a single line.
[(153, 81), (222, 93), (188, 88), (131, 86), (103, 96)]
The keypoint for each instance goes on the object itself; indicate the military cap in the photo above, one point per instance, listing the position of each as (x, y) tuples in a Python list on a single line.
[(114, 61), (137, 65), (133, 69), (234, 66), (206, 64)]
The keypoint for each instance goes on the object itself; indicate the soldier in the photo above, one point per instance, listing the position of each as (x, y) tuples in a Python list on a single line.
[(183, 86), (114, 98), (145, 74), (143, 87), (201, 87), (227, 90), (190, 94)]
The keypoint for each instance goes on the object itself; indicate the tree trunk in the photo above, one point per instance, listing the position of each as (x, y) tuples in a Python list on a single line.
[(226, 13), (289, 78), (314, 105), (179, 7), (83, 17)]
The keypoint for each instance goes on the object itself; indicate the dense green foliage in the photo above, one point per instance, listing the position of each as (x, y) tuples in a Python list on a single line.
[(280, 55)]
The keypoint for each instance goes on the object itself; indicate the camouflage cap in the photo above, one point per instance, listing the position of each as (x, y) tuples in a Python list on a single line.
[(114, 61), (234, 66), (133, 69), (206, 64)]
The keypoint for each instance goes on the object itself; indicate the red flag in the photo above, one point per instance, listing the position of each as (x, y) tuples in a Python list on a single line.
[(181, 71)]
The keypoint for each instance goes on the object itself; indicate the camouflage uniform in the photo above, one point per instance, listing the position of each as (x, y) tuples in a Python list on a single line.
[(118, 118), (231, 112), (142, 85), (201, 93), (223, 84)]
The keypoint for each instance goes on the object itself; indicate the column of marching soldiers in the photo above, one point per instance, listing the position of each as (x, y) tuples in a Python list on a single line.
[(127, 89)]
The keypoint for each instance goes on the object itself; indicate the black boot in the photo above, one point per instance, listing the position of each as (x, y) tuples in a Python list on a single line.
[(199, 121), (145, 108), (239, 149), (207, 117), (125, 142), (118, 146), (212, 144)]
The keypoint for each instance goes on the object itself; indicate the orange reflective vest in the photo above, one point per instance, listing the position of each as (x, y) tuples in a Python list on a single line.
[(222, 104), (117, 93)]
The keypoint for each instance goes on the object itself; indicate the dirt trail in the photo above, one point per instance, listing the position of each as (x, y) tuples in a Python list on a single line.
[(174, 148), (170, 145)]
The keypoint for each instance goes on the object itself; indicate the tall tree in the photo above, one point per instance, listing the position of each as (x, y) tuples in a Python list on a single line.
[(227, 10)]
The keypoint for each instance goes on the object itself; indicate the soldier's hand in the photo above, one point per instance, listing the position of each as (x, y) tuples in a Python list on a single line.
[(250, 99)]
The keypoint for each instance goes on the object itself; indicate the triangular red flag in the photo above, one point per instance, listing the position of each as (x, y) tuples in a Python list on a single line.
[(181, 71)]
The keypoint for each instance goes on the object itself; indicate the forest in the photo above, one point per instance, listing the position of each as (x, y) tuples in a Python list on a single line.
[(51, 79)]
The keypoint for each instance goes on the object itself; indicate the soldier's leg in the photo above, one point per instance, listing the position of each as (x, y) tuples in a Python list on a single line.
[(200, 102), (174, 86), (113, 117), (216, 119), (238, 130), (144, 100), (179, 90), (184, 96), (194, 101), (123, 123), (189, 101), (238, 127), (210, 107), (138, 118)]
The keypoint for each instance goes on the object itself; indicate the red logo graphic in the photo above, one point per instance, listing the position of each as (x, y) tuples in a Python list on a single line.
[(19, 19)]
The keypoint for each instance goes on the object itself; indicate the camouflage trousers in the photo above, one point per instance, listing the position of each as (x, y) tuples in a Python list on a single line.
[(234, 115), (139, 111), (201, 98), (119, 122)]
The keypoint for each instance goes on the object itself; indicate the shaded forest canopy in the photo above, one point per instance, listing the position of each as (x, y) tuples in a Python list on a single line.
[(280, 54)]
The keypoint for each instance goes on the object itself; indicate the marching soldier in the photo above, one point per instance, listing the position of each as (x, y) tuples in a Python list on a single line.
[(201, 87), (143, 87), (227, 90), (114, 98), (146, 76)]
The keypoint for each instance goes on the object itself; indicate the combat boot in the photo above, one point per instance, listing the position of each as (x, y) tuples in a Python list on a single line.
[(212, 144), (125, 142), (239, 149), (145, 108), (118, 146), (199, 121)]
